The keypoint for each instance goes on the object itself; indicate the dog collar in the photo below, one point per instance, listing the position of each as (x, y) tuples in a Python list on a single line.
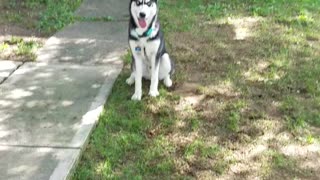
[(148, 33)]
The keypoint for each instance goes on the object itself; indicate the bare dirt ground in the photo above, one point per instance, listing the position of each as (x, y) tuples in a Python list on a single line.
[(241, 115), (18, 24)]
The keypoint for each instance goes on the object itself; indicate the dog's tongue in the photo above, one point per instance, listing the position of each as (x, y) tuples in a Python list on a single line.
[(142, 23)]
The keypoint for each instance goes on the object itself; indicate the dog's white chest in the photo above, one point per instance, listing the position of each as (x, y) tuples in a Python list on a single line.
[(145, 49)]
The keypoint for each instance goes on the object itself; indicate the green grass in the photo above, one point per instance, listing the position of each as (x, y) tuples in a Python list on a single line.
[(46, 16), (21, 49), (231, 97), (276, 162), (127, 150), (38, 18), (28, 49), (57, 14), (3, 46)]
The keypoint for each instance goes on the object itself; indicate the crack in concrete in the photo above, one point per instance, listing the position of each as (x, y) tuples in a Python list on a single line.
[(14, 70)]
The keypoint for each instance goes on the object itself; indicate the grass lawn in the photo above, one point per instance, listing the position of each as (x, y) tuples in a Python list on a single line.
[(25, 25), (245, 103)]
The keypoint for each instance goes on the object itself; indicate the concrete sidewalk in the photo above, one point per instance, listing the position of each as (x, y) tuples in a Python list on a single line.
[(49, 108)]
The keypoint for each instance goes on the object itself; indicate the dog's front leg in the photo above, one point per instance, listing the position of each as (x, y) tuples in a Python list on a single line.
[(154, 77), (138, 81), (138, 71), (138, 78)]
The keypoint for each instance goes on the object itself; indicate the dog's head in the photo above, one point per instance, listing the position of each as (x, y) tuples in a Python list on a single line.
[(143, 12)]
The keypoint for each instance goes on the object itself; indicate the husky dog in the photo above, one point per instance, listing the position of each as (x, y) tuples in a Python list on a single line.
[(150, 59)]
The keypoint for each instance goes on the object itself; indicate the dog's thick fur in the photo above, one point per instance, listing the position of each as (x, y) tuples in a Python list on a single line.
[(150, 59)]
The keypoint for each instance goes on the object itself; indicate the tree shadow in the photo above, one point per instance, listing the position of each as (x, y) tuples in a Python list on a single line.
[(228, 70)]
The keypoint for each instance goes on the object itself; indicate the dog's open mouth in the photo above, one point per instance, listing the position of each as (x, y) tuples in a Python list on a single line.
[(142, 22)]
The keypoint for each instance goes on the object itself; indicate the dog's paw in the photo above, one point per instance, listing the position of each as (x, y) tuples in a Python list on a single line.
[(154, 93), (167, 82), (136, 97), (130, 81)]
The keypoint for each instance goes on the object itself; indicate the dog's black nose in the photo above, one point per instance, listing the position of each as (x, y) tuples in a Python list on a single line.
[(142, 15)]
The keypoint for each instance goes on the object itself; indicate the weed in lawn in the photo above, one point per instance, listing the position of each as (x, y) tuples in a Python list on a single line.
[(221, 166), (281, 161), (20, 49), (276, 163), (3, 47), (14, 17), (233, 121), (201, 149), (94, 19), (194, 123), (14, 40), (192, 149), (27, 49), (57, 15), (310, 139), (156, 158), (127, 58)]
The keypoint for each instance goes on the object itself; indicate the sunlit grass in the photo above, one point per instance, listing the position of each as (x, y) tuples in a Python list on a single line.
[(247, 85)]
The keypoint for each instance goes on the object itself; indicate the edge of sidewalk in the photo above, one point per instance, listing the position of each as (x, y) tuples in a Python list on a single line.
[(65, 168)]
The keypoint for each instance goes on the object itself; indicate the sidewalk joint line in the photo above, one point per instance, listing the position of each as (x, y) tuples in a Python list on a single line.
[(34, 146), (14, 70)]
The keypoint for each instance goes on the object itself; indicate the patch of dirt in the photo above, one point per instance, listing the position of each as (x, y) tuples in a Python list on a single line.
[(18, 20), (8, 30), (211, 81)]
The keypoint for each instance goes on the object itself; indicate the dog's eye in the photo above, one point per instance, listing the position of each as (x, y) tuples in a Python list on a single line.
[(149, 3), (138, 3)]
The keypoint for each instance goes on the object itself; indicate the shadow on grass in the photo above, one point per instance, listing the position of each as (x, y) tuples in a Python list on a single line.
[(262, 85), (245, 97)]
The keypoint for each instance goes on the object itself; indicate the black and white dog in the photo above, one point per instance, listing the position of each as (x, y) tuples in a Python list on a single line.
[(150, 59)]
